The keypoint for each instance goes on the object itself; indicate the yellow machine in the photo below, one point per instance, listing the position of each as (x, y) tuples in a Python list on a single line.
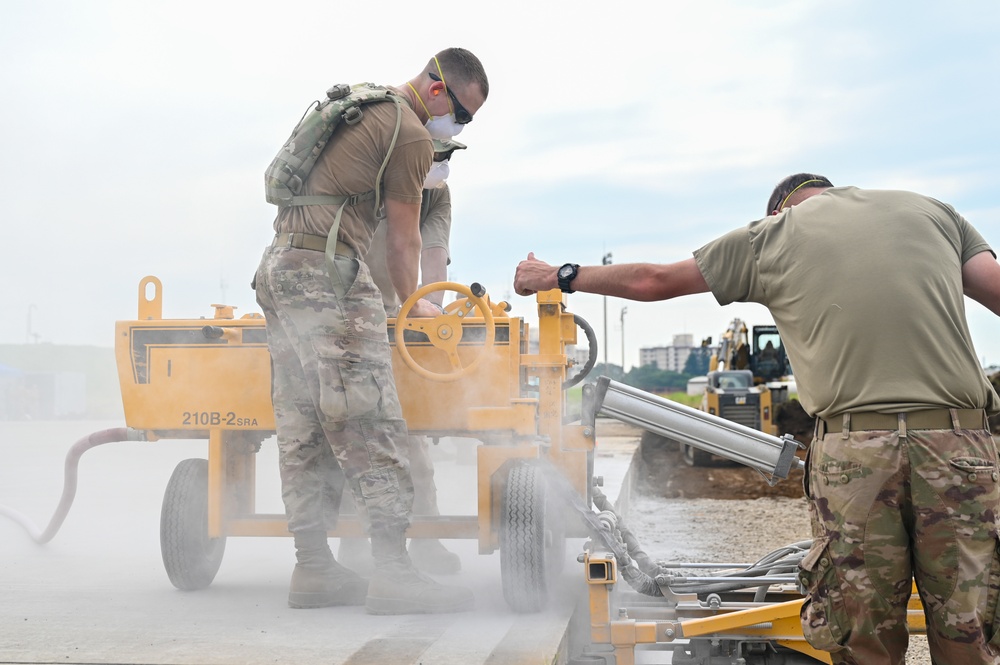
[(210, 378), (744, 381)]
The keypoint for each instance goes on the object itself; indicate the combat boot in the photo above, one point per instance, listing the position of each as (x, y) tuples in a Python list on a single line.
[(431, 556), (318, 580), (397, 587), (356, 554)]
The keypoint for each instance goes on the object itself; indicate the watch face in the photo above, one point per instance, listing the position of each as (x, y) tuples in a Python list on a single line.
[(565, 271)]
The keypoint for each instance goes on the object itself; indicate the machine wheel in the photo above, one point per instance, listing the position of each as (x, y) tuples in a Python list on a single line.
[(191, 558), (695, 456), (532, 543)]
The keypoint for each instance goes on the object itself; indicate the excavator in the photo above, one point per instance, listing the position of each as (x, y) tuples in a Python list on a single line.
[(745, 382)]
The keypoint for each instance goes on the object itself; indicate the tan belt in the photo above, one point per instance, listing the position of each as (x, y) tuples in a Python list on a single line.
[(309, 241), (927, 419)]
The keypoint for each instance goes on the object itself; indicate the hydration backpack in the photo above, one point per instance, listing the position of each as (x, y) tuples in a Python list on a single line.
[(289, 169)]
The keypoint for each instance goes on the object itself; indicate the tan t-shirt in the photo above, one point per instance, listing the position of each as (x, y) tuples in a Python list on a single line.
[(865, 287), (349, 164), (435, 230)]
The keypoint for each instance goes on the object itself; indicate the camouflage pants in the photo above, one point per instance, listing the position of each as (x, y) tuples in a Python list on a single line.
[(416, 453), (333, 390), (885, 509)]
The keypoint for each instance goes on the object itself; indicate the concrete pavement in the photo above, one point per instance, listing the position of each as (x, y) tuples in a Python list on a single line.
[(98, 593)]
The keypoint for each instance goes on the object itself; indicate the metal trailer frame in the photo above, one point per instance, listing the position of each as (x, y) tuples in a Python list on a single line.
[(210, 378)]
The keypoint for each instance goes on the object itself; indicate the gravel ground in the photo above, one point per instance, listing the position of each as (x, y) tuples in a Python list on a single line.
[(694, 529)]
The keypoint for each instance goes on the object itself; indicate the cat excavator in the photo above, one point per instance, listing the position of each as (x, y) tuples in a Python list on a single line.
[(745, 382)]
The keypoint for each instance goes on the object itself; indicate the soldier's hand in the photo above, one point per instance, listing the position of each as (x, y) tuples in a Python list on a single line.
[(533, 275), (424, 308)]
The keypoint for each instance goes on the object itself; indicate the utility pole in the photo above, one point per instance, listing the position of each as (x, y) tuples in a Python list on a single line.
[(624, 310), (27, 334), (606, 261)]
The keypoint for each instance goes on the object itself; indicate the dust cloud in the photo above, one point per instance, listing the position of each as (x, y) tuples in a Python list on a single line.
[(98, 593)]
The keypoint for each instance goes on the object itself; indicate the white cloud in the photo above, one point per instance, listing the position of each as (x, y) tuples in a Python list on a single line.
[(136, 134)]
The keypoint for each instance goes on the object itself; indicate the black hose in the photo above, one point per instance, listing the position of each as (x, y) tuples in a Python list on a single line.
[(69, 481), (591, 350)]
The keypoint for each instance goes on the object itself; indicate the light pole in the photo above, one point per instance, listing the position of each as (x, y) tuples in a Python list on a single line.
[(27, 335), (624, 310), (606, 261)]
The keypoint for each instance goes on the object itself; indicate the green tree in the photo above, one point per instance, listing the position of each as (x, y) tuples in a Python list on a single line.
[(697, 362), (652, 379)]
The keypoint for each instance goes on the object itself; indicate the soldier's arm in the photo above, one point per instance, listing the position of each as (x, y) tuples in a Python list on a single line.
[(634, 281), (402, 252), (981, 280), (434, 268)]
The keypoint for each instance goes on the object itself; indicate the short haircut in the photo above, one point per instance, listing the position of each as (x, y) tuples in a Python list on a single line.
[(462, 67), (790, 184)]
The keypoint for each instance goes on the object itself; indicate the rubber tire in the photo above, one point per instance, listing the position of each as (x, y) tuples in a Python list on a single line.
[(532, 546), (190, 557), (695, 456)]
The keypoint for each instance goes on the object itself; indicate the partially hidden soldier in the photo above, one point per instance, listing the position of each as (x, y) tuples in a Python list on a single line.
[(333, 387), (428, 554), (903, 481)]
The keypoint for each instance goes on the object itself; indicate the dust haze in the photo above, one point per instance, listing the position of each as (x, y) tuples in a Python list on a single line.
[(98, 593)]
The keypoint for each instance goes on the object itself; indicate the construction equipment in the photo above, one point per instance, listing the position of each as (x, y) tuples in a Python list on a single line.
[(744, 382), (703, 613), (209, 378), (197, 378)]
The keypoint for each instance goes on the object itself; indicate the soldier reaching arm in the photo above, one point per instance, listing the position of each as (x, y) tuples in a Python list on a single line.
[(866, 288)]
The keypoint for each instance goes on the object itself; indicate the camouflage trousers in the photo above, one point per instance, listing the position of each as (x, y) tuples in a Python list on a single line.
[(886, 509), (333, 391), (422, 471)]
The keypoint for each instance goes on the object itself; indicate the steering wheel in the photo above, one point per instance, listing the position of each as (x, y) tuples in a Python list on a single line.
[(445, 330)]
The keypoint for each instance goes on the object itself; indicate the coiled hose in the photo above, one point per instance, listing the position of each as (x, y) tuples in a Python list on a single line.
[(70, 466)]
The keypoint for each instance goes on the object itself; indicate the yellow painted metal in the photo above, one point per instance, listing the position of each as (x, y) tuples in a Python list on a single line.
[(445, 332), (602, 573), (210, 378)]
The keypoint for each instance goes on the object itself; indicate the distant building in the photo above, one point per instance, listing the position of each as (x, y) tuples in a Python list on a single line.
[(671, 358), (579, 355)]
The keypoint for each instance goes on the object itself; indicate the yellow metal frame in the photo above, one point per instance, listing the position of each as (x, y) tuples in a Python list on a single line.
[(684, 618), (210, 378)]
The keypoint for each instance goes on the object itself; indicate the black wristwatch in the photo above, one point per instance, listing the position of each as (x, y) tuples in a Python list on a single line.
[(567, 273)]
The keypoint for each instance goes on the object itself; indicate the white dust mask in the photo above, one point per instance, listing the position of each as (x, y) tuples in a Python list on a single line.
[(443, 126), (437, 175), (439, 126)]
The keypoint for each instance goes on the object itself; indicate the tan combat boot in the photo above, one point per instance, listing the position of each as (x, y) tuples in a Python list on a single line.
[(318, 580), (397, 587), (431, 556), (356, 554)]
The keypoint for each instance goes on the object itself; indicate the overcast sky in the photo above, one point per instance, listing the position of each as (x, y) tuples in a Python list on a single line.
[(135, 137)]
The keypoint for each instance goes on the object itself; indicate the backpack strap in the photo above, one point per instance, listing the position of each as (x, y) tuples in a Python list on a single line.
[(330, 200), (331, 239)]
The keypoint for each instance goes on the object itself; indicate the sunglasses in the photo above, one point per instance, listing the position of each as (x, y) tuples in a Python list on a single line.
[(462, 116)]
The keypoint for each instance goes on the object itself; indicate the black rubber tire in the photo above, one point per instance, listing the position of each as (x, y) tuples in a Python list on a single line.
[(190, 557), (532, 544), (695, 456)]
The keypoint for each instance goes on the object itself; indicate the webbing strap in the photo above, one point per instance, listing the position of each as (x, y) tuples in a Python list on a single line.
[(330, 199)]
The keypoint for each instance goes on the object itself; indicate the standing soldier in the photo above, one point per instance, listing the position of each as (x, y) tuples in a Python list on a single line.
[(326, 328), (429, 555), (866, 287)]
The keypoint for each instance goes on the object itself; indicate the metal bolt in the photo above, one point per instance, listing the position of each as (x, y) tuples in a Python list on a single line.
[(669, 632)]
